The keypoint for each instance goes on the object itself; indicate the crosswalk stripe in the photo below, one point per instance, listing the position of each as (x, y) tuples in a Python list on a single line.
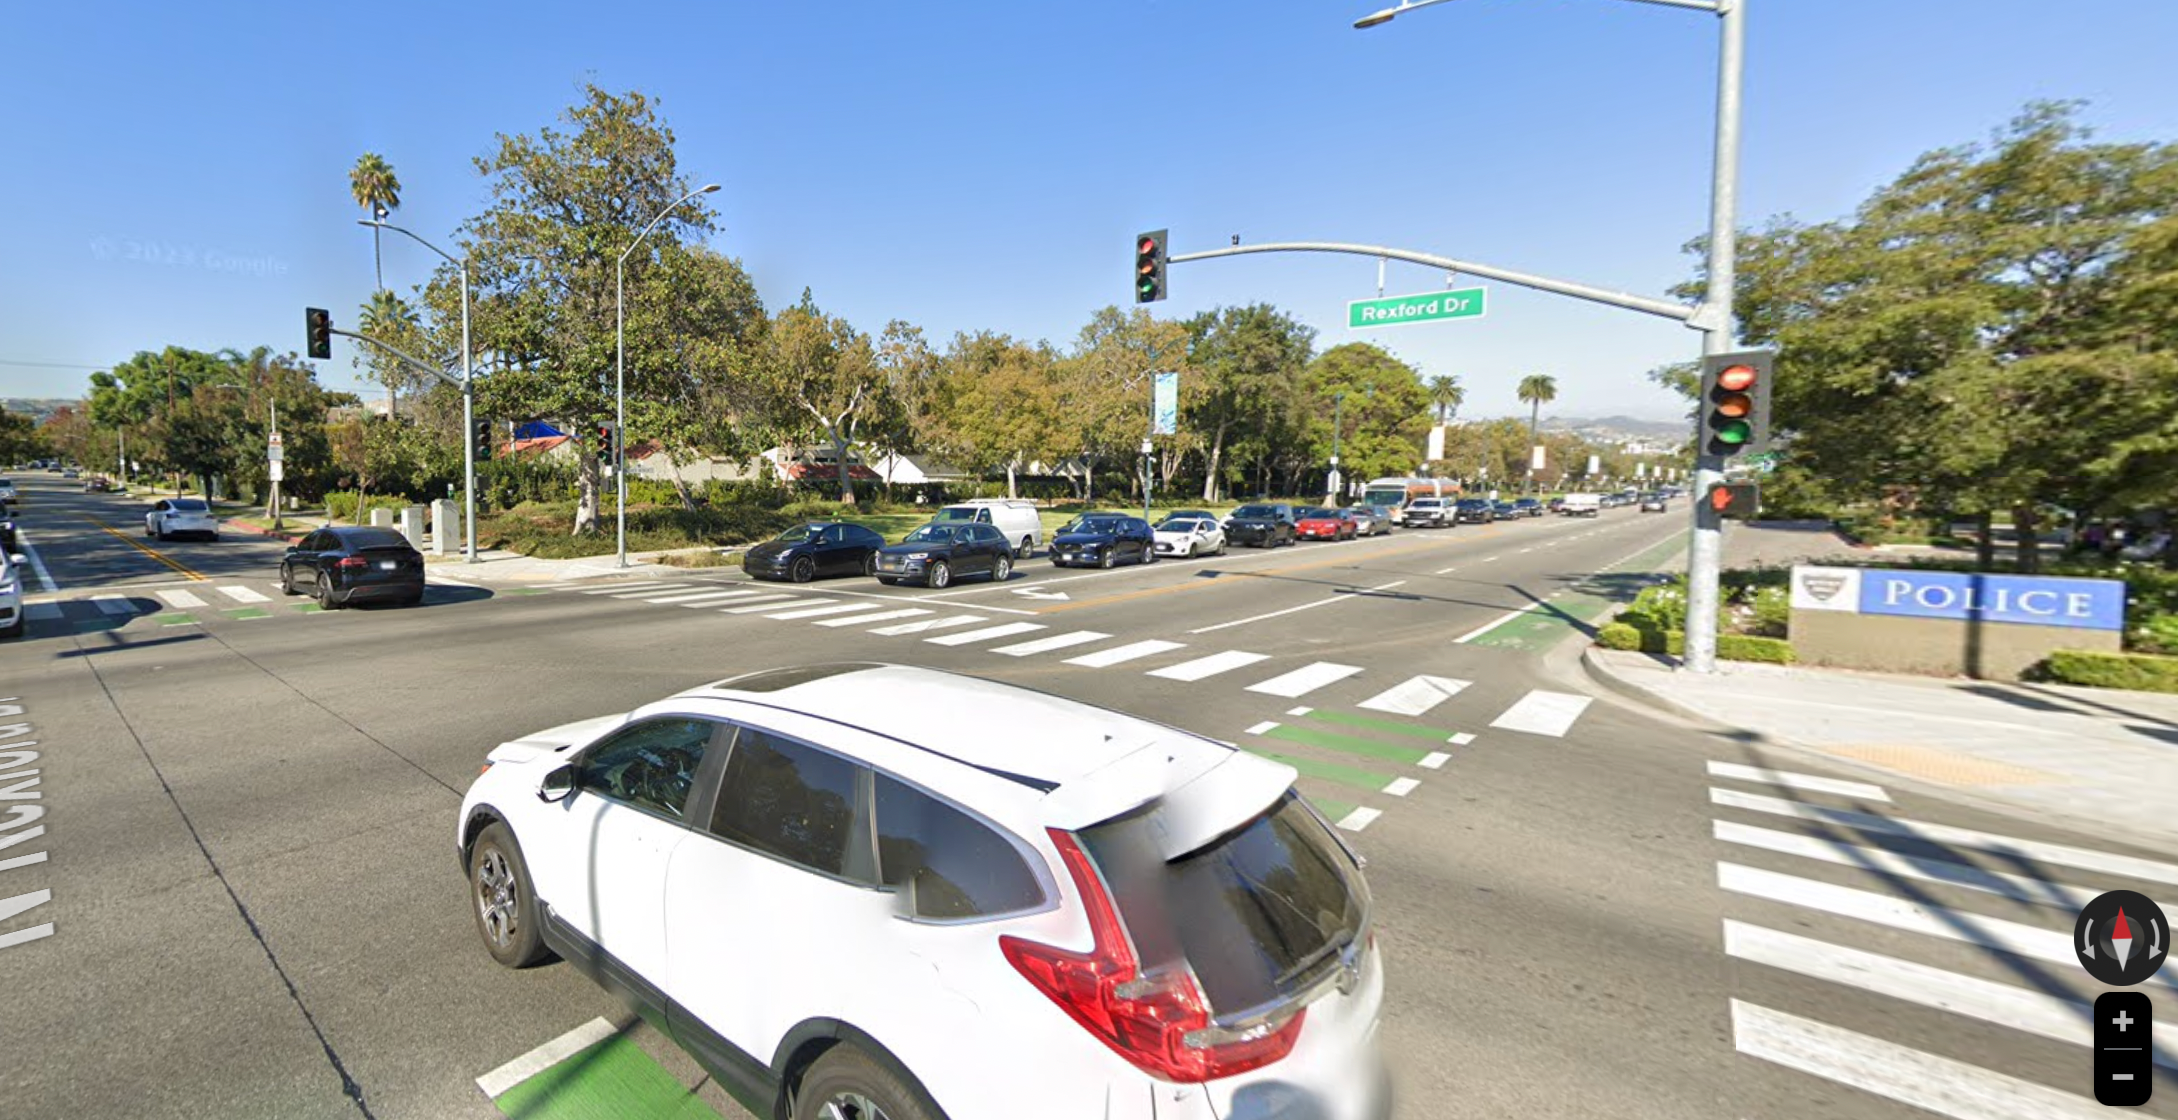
[(928, 624), (1435, 760), (1305, 679), (1104, 658), (1543, 713), (1791, 780), (1462, 739), (1936, 921), (622, 588), (1400, 787), (1208, 666), (44, 612), (1415, 696), (1887, 1069), (1263, 727), (245, 595), (697, 596), (180, 598), (839, 608), (1360, 818), (2020, 887), (2007, 1006), (1056, 641), (769, 603), (2085, 859), (881, 616), (1002, 630), (114, 604)]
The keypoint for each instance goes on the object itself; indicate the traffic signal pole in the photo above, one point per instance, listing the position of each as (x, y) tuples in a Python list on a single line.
[(1705, 549)]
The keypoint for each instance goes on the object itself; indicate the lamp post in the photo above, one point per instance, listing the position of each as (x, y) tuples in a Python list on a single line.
[(1713, 318), (1338, 427), (620, 374), (468, 390)]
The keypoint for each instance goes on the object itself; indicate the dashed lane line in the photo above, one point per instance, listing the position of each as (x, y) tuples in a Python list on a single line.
[(521, 1069)]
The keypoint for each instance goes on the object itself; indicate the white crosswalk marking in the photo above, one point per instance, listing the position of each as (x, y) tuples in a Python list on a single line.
[(2085, 859), (1263, 727), (1462, 739), (1400, 787), (1435, 760), (881, 616), (685, 596), (1543, 713), (842, 608), (1056, 641), (621, 588), (1105, 658), (1003, 630), (2021, 887), (1415, 696), (770, 603), (1304, 680), (244, 595), (2060, 1019), (1360, 818), (1209, 666), (1886, 1069), (114, 604), (1790, 780), (929, 624), (180, 599)]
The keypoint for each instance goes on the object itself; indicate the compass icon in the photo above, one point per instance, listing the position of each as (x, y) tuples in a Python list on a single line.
[(2121, 938)]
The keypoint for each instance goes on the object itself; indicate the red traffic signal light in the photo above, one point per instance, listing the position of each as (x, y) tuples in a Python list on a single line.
[(318, 332), (1735, 403), (1149, 267), (1735, 499)]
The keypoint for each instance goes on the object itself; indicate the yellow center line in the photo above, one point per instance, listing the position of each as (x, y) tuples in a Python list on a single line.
[(155, 554), (1124, 596)]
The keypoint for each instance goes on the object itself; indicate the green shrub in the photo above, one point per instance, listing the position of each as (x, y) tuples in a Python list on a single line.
[(2156, 633), (2139, 672), (1769, 612), (1618, 635), (1664, 604), (1747, 647), (340, 505), (1636, 631)]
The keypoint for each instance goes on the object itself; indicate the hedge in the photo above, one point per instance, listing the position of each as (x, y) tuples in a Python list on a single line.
[(1731, 647), (2139, 672)]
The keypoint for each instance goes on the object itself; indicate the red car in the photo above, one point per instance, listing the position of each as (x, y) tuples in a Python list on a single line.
[(1324, 525)]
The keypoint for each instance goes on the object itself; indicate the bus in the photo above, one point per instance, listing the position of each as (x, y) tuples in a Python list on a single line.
[(1397, 492)]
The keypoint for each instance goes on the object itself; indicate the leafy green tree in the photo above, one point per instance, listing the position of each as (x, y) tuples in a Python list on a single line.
[(1385, 411), (994, 398), (20, 440), (823, 378), (1104, 385), (378, 191), (1248, 361)]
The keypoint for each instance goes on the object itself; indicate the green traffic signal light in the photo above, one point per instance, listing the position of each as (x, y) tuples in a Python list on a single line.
[(1735, 432)]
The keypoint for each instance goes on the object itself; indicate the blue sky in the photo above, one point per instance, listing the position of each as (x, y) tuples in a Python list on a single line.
[(179, 171)]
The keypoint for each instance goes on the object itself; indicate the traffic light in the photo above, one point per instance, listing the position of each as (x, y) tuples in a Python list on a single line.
[(1149, 267), (1735, 403), (607, 444), (480, 439), (318, 331), (1737, 500)]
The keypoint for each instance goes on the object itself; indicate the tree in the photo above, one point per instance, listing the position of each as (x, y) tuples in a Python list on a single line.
[(1248, 361), (1446, 395), (1537, 390), (378, 191), (389, 319), (1104, 385), (565, 205), (823, 378), (995, 400), (20, 438), (1385, 411)]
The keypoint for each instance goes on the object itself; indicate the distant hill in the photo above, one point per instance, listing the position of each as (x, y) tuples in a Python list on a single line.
[(1626, 426), (38, 408)]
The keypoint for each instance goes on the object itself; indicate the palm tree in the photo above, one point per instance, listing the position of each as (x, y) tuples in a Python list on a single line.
[(1538, 389), (1446, 395), (389, 317), (378, 191)]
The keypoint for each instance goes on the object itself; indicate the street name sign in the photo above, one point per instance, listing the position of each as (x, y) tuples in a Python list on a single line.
[(1458, 303)]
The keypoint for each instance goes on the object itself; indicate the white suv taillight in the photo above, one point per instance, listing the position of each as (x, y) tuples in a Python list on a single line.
[(1160, 1022)]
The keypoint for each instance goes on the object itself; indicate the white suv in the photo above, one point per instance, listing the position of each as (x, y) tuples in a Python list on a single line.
[(851, 893)]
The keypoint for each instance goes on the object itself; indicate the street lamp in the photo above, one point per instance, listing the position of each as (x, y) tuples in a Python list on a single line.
[(620, 371), (1714, 316), (468, 388)]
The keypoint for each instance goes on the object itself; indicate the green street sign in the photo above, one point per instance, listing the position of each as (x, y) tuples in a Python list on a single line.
[(1459, 303)]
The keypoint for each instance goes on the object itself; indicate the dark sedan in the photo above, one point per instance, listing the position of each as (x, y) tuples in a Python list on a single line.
[(354, 564), (1104, 540), (1528, 507), (815, 548), (1262, 525), (1505, 511), (1476, 511), (934, 554)]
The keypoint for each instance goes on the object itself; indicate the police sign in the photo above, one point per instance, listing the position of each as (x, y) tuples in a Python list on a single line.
[(1974, 623)]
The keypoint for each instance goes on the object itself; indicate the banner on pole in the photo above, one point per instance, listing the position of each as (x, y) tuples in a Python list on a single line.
[(1165, 404)]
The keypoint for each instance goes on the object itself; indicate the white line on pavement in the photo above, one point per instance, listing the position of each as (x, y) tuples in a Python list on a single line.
[(1791, 780), (1493, 624), (927, 625), (1345, 598), (1887, 1069), (1208, 666), (1003, 630), (1543, 713), (2002, 1004), (1360, 818), (1105, 658), (1056, 641), (1300, 711), (2021, 887), (1304, 680), (764, 603), (1435, 760), (37, 562), (1415, 695), (244, 595), (1446, 571), (685, 596), (1263, 727), (1461, 739), (836, 608), (545, 1057), (623, 588), (180, 599), (881, 616), (2082, 858), (1400, 787)]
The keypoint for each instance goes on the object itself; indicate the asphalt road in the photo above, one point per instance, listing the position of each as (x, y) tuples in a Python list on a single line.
[(256, 911)]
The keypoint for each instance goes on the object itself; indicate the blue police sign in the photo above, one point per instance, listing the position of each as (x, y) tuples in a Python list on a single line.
[(2083, 604)]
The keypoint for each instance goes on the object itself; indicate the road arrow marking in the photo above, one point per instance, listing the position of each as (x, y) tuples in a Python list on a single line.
[(1035, 593)]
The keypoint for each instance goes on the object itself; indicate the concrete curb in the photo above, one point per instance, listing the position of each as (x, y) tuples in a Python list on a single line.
[(1603, 676)]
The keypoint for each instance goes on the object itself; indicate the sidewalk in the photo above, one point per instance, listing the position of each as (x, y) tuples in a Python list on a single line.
[(493, 566), (2101, 759)]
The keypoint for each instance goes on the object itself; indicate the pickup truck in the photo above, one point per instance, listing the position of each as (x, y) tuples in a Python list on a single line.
[(1582, 505)]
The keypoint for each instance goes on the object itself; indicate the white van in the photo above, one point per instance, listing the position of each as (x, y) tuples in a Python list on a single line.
[(1581, 505), (1014, 517)]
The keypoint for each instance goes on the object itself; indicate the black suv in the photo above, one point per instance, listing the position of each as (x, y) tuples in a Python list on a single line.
[(1478, 511), (1262, 525)]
